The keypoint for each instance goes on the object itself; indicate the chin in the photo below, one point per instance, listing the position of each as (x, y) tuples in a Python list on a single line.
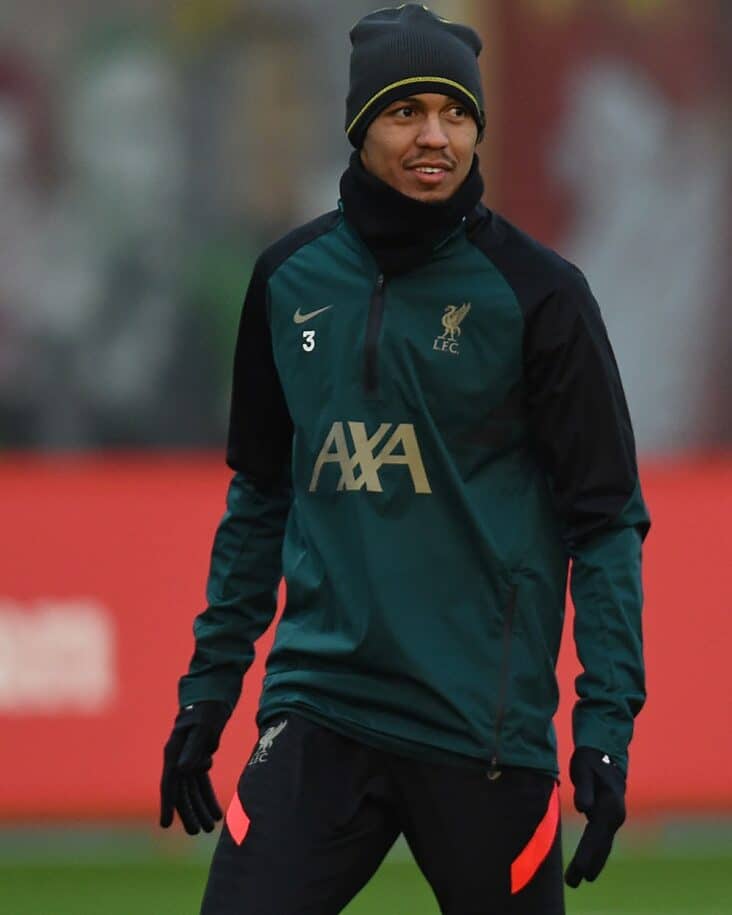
[(423, 194), (431, 196)]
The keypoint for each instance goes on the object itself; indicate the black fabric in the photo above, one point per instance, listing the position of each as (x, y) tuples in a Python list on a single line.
[(599, 793), (260, 427), (402, 232), (324, 810), (406, 45), (577, 412), (185, 785)]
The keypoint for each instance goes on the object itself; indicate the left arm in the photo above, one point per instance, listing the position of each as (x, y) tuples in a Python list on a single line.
[(582, 433)]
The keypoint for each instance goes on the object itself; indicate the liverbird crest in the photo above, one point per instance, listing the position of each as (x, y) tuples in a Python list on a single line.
[(452, 319)]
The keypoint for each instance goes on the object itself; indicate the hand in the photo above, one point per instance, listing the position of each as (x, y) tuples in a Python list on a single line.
[(599, 792), (186, 785)]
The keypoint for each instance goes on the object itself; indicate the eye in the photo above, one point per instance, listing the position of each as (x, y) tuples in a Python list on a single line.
[(458, 111), (403, 111)]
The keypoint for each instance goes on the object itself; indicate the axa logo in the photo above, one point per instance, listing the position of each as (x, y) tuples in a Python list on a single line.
[(361, 460), (451, 320)]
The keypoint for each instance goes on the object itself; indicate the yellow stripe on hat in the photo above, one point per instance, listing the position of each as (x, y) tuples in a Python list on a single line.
[(405, 82)]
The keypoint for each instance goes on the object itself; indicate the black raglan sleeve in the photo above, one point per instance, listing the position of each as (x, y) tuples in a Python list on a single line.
[(579, 420), (260, 427), (582, 434), (246, 558)]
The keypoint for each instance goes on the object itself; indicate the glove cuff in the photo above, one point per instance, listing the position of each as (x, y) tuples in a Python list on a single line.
[(211, 713), (598, 761)]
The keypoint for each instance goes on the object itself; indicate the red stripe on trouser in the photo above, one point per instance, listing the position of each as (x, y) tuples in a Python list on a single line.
[(538, 847), (237, 820)]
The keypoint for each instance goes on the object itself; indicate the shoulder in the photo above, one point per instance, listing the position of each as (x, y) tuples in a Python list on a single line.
[(534, 271), (281, 250)]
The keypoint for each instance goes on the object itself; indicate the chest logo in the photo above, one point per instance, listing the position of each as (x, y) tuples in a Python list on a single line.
[(453, 317), (300, 318), (360, 467)]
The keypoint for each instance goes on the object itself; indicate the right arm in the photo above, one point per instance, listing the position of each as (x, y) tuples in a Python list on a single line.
[(246, 558)]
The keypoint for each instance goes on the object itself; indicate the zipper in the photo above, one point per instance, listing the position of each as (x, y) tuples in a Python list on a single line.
[(373, 329), (494, 772), (455, 232)]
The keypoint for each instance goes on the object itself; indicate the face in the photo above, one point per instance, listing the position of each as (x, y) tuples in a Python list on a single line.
[(422, 145)]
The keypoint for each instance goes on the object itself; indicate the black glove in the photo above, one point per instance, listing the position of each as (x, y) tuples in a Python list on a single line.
[(599, 792), (185, 785)]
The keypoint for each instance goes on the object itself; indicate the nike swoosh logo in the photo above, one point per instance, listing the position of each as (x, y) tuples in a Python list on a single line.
[(299, 318)]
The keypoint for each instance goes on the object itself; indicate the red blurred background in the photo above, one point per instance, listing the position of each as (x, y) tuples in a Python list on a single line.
[(132, 536)]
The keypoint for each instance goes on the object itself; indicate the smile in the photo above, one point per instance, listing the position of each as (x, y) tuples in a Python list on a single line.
[(430, 176)]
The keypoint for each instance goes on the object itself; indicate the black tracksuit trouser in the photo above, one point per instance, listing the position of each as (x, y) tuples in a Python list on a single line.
[(315, 813)]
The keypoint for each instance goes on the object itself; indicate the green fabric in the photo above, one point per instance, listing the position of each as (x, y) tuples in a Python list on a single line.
[(607, 595), (427, 617), (241, 592)]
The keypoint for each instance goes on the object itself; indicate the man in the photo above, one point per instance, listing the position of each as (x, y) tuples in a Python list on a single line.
[(427, 423)]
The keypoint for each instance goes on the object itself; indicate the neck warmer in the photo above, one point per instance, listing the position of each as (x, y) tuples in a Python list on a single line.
[(401, 232)]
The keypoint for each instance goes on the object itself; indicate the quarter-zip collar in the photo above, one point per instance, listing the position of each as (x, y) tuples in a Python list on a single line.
[(401, 232)]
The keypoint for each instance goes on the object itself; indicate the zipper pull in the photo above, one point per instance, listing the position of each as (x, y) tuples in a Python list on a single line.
[(380, 282), (494, 772)]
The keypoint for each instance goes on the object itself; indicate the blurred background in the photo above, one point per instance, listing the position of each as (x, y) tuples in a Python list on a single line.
[(148, 151)]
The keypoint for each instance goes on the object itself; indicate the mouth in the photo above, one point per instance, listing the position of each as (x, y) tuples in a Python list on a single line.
[(430, 175)]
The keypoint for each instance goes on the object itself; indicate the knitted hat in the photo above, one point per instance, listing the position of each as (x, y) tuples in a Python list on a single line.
[(405, 51)]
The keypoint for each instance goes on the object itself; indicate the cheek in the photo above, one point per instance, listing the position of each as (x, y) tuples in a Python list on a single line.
[(464, 147), (390, 163), (382, 153)]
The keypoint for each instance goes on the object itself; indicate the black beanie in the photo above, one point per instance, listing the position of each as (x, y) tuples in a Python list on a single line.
[(404, 51)]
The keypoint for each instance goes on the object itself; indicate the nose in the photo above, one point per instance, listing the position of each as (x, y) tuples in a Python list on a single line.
[(432, 134)]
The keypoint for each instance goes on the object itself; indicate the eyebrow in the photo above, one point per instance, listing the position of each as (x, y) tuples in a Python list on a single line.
[(413, 100)]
